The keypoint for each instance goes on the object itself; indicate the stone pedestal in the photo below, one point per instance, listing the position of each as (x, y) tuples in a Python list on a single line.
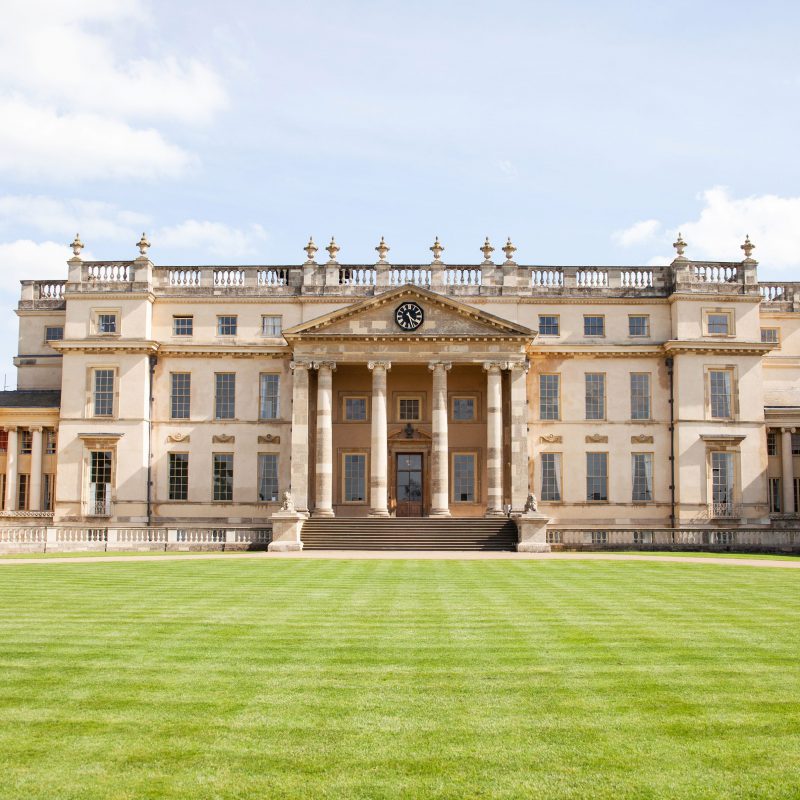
[(532, 528), (286, 527)]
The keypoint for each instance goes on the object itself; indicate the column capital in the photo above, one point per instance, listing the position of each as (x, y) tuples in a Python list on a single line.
[(494, 366), (331, 365), (300, 364), (523, 366), (10, 428), (434, 365), (787, 429), (35, 428), (387, 365)]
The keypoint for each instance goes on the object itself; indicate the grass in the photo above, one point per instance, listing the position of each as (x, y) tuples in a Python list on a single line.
[(399, 679)]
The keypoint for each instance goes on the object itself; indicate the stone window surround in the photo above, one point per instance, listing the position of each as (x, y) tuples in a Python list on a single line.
[(95, 322), (355, 395), (646, 334), (734, 399), (710, 311), (421, 397), (476, 409), (89, 409), (354, 451)]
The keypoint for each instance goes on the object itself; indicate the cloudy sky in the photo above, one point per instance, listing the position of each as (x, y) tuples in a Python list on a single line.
[(590, 132)]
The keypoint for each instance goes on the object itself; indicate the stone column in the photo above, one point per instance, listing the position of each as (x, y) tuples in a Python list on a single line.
[(379, 458), (787, 465), (35, 489), (299, 473), (494, 435), (324, 465), (11, 471), (519, 435), (440, 454)]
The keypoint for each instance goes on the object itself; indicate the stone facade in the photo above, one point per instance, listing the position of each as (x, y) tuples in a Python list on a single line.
[(228, 396)]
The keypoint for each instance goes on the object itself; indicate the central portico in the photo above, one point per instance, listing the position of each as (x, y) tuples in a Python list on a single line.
[(426, 421)]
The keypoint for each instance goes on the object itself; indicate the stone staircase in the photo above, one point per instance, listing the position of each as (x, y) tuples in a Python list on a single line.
[(408, 533)]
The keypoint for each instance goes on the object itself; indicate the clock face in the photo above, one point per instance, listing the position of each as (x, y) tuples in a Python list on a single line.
[(409, 316)]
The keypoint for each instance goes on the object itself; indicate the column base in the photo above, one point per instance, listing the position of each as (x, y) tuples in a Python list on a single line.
[(323, 512), (493, 512), (379, 513), (439, 512)]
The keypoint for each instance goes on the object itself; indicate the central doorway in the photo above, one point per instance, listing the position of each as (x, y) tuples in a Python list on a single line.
[(409, 484)]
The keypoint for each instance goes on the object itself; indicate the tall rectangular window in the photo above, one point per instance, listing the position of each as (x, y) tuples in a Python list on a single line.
[(355, 472), (3, 441), (50, 441), (180, 394), (100, 483), (25, 442), (595, 395), (178, 476), (775, 495), (720, 393), (796, 444), (104, 392), (551, 477), (183, 326), (548, 325), (227, 325), (267, 477), (640, 395), (772, 444), (224, 395), (722, 484), (23, 487), (597, 477), (594, 325), (223, 477), (54, 333), (797, 495), (642, 471), (638, 325), (464, 477), (549, 396), (269, 404), (270, 326), (48, 491)]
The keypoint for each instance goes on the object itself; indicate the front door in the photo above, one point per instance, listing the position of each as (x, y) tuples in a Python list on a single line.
[(409, 484)]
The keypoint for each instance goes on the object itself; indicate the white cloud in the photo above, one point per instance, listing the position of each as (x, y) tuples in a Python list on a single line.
[(638, 233), (214, 238), (24, 259), (773, 223)]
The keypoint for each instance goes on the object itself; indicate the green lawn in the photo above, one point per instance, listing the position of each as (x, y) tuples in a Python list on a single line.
[(399, 679)]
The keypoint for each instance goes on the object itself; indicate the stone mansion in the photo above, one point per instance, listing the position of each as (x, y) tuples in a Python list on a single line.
[(214, 396)]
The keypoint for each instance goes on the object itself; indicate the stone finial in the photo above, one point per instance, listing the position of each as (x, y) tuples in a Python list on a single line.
[(437, 249), (748, 248), (487, 251), (680, 247), (509, 250), (332, 249), (311, 250), (77, 245), (382, 249), (143, 244)]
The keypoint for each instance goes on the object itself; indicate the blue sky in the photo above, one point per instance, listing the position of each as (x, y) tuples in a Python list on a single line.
[(590, 132)]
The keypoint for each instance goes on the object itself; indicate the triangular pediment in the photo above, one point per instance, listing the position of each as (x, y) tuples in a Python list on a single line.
[(375, 317)]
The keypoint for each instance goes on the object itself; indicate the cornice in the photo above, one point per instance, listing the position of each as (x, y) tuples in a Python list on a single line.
[(106, 346), (705, 346), (210, 351), (597, 351), (719, 297)]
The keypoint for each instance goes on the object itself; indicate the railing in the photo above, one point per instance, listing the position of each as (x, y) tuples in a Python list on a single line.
[(109, 273), (273, 277), (50, 290), (101, 507), (141, 535), (416, 277), (463, 276), (23, 535), (184, 277), (779, 292), (357, 276), (714, 273), (592, 278), (201, 535), (724, 510), (228, 277), (679, 538), (547, 278), (636, 278)]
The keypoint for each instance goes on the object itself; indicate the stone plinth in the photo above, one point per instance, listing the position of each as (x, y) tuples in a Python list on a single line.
[(532, 528), (286, 527)]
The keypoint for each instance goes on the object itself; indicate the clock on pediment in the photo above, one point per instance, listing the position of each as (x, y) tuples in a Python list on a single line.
[(409, 316)]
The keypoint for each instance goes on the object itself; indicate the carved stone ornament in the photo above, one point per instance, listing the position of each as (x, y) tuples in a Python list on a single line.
[(288, 501), (680, 248), (596, 438), (332, 249), (269, 439), (223, 438), (551, 438), (178, 437), (748, 248), (437, 249), (77, 245), (487, 251), (311, 250), (531, 504), (382, 250), (143, 244), (642, 438), (509, 250)]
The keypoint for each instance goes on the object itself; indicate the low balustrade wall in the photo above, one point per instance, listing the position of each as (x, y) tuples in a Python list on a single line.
[(61, 539)]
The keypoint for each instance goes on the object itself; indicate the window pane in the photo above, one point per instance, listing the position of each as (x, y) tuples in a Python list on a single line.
[(549, 397), (103, 392), (640, 395), (271, 326), (551, 476), (593, 326), (464, 409), (23, 483), (107, 323), (642, 477), (355, 409), (267, 477), (464, 478), (355, 477), (269, 406), (720, 385), (226, 326), (595, 395), (223, 476), (50, 441), (409, 408), (548, 325), (639, 325), (718, 323), (100, 482), (722, 483), (597, 476), (769, 335), (183, 326), (225, 397), (25, 442), (178, 476), (181, 391), (54, 333)]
